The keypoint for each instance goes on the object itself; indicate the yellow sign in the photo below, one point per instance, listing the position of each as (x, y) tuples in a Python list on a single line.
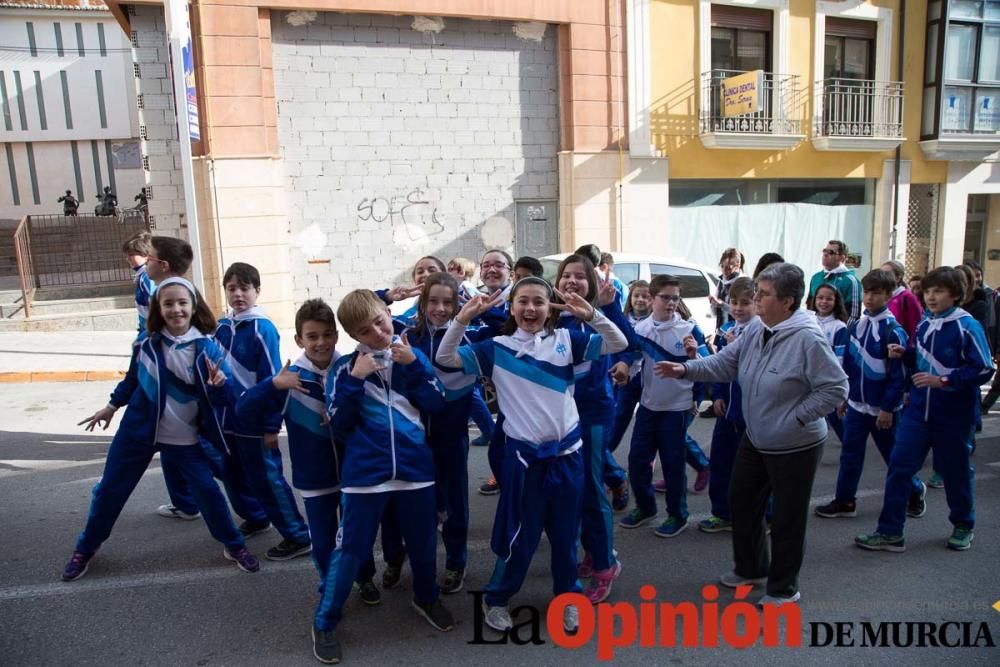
[(742, 94)]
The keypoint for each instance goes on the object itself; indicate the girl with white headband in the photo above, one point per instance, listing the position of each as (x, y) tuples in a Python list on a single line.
[(175, 377)]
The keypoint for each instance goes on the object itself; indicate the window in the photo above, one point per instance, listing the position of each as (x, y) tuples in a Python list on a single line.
[(627, 272), (849, 49), (693, 283), (741, 38)]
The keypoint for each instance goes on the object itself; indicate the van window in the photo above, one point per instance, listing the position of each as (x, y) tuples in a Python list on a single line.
[(693, 283)]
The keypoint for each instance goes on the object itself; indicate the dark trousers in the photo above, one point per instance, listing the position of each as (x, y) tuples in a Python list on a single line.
[(789, 478)]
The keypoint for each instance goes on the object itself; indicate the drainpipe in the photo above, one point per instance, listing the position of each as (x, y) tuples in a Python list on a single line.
[(900, 48)]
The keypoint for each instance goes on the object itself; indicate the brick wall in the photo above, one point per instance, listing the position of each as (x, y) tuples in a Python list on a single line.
[(399, 143)]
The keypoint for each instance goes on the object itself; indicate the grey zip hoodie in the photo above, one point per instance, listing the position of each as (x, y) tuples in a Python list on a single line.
[(790, 384)]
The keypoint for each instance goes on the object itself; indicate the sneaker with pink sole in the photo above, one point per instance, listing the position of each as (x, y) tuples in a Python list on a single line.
[(600, 583), (660, 486)]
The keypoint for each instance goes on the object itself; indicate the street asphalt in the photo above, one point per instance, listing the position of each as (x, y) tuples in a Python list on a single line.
[(160, 593)]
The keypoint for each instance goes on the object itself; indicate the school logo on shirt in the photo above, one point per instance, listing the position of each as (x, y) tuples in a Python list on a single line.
[(561, 349)]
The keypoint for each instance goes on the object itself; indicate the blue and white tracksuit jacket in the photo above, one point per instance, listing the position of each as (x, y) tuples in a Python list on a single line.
[(838, 336), (144, 288), (253, 351), (952, 345)]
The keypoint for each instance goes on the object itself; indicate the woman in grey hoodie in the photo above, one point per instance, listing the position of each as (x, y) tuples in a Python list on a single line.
[(791, 380)]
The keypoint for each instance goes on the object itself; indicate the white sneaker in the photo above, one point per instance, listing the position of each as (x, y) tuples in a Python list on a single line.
[(777, 601), (498, 618), (571, 619), (171, 512)]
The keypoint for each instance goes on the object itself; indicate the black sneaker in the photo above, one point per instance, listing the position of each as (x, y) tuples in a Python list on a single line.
[(368, 592), (77, 566), (326, 648), (250, 528), (287, 550), (452, 581), (837, 508), (917, 506), (490, 487), (436, 614), (391, 575)]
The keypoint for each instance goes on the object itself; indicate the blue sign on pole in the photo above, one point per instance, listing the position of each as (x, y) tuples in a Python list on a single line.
[(191, 93)]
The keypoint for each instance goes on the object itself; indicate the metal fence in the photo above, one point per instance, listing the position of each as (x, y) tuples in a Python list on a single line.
[(780, 106), (860, 108), (921, 228), (73, 251)]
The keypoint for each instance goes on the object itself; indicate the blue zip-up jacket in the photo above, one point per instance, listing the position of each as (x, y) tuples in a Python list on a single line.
[(594, 392), (252, 348), (730, 392), (379, 421), (141, 390), (836, 333), (951, 345), (876, 382), (144, 288), (316, 456)]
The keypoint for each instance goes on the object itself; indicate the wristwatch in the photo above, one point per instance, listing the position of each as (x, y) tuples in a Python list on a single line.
[(944, 380)]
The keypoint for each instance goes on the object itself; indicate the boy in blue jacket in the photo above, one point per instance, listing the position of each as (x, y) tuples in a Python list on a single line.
[(950, 359), (876, 384), (253, 472), (375, 397)]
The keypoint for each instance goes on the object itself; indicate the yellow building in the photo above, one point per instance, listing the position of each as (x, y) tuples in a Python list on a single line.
[(837, 124)]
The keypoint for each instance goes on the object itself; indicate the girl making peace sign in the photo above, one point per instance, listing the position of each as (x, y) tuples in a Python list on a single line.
[(176, 376)]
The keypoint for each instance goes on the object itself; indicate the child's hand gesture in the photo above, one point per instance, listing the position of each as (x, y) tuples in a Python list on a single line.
[(619, 373), (896, 351), (606, 292), (922, 380), (103, 415), (730, 336), (364, 365), (478, 305), (271, 440), (884, 420), (669, 369), (286, 379), (842, 409), (216, 378), (402, 353), (691, 346), (574, 304), (400, 292)]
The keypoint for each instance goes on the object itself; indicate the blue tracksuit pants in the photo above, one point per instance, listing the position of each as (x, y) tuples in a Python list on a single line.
[(127, 461), (950, 442), (694, 455), (660, 433), (597, 517), (837, 424), (256, 486), (726, 438), (557, 512), (362, 512), (450, 448), (857, 427), (323, 516)]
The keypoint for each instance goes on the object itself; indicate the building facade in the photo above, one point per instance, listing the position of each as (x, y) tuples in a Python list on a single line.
[(341, 140), (69, 118)]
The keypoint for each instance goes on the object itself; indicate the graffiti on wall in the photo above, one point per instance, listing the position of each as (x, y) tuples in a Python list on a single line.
[(412, 212)]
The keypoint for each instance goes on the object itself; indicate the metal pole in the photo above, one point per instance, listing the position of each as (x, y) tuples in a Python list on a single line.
[(178, 38)]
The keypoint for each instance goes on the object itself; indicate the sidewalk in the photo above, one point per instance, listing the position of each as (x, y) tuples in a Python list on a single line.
[(79, 356)]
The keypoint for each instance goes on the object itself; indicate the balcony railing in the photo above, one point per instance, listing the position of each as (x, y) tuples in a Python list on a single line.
[(862, 109), (778, 124)]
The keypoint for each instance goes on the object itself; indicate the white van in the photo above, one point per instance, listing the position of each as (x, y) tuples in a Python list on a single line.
[(697, 282)]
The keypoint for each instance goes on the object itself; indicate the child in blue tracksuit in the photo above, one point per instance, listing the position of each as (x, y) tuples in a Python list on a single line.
[(664, 410), (595, 404), (541, 475), (447, 431), (876, 384), (175, 377), (252, 470), (730, 426), (831, 314), (375, 398), (298, 393), (137, 249), (950, 359)]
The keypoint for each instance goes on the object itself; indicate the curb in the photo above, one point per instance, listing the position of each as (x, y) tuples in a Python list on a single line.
[(16, 377)]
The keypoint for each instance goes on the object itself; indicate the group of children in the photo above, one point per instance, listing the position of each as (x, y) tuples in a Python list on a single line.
[(378, 438)]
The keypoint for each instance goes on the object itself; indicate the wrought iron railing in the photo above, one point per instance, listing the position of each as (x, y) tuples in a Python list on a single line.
[(860, 108), (780, 106), (73, 251)]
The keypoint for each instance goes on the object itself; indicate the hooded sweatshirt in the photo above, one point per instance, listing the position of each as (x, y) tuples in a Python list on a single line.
[(790, 382)]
